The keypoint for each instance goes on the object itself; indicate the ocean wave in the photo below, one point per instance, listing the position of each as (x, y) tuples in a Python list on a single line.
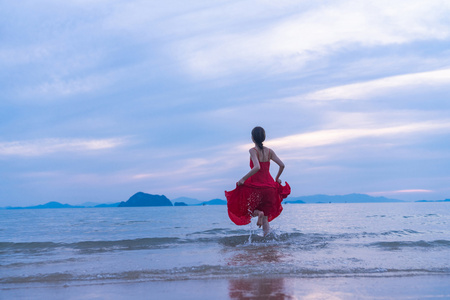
[(400, 232), (39, 263), (215, 231), (87, 246), (225, 238), (308, 241), (217, 271), (398, 245)]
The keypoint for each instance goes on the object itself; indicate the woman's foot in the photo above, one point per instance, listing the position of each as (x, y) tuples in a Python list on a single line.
[(259, 223), (260, 215)]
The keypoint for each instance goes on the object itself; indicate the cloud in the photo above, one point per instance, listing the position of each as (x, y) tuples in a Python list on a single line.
[(288, 41), (50, 146), (368, 89), (337, 136), (144, 176), (63, 88), (41, 174), (14, 56), (409, 191)]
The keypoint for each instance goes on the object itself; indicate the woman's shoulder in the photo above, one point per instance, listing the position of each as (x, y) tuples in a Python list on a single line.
[(253, 151), (265, 150)]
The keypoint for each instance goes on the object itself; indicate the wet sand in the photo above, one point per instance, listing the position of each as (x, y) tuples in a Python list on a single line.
[(408, 287)]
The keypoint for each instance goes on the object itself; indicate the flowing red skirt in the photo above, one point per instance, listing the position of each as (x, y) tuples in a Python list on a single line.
[(245, 199)]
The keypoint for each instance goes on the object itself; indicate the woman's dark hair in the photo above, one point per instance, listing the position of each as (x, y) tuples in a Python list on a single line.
[(259, 135)]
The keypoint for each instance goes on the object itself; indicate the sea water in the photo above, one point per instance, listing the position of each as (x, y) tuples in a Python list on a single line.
[(64, 247)]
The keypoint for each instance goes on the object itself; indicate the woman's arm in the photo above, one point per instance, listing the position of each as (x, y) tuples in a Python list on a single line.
[(256, 167), (278, 161)]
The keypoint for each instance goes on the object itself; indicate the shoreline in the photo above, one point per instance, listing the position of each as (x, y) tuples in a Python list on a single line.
[(403, 287)]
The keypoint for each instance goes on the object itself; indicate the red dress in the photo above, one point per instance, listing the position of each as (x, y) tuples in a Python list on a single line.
[(261, 192)]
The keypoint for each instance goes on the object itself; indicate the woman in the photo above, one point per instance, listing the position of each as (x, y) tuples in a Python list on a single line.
[(257, 194)]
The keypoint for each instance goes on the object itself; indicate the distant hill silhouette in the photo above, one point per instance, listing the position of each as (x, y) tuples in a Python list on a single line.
[(294, 202), (215, 202), (52, 204), (350, 198), (188, 201), (108, 205), (142, 199), (446, 200)]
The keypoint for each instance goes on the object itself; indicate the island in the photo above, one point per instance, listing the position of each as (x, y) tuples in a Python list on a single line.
[(215, 202), (142, 199)]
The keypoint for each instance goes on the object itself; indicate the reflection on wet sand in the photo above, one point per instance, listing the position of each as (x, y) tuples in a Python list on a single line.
[(278, 288), (256, 255), (259, 288)]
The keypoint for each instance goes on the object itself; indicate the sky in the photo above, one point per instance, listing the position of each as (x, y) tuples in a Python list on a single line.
[(102, 99)]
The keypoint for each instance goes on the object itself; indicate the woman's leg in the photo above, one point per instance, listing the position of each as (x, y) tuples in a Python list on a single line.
[(265, 226)]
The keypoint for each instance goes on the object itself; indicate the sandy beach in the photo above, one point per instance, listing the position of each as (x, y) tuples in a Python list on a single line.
[(409, 287)]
